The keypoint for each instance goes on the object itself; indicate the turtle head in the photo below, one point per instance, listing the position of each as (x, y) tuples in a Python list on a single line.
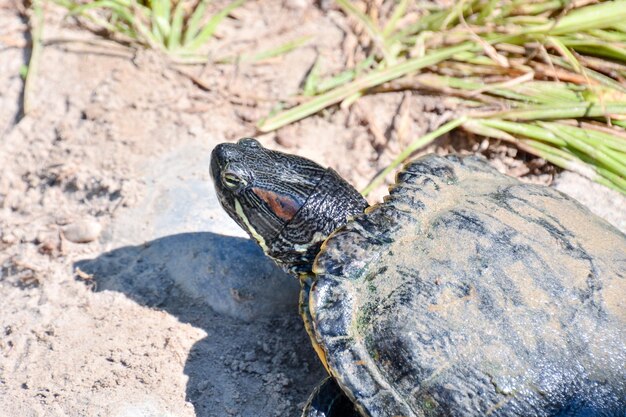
[(286, 203)]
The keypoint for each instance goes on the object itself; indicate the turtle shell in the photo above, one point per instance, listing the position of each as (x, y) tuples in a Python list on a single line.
[(469, 293)]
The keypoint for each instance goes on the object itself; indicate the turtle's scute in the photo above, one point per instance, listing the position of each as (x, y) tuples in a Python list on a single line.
[(470, 293)]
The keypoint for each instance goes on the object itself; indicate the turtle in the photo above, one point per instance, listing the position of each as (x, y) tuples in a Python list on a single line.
[(466, 292)]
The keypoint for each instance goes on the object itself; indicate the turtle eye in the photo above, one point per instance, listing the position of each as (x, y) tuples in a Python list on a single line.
[(232, 180)]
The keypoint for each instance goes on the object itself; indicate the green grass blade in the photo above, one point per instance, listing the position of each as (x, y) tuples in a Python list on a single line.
[(279, 50), (345, 76), (131, 16), (78, 8), (596, 16), (568, 111), (173, 41), (555, 155), (414, 146), (560, 158), (371, 80), (398, 12), (336, 81), (550, 92), (620, 123), (537, 8), (611, 141), (455, 13), (208, 30), (616, 36), (75, 9), (486, 12), (376, 34), (160, 14), (350, 9), (313, 78), (612, 180), (479, 127), (193, 24), (601, 171), (475, 85), (565, 53), (526, 130), (119, 9), (594, 75), (580, 141), (430, 22), (267, 54), (606, 51)]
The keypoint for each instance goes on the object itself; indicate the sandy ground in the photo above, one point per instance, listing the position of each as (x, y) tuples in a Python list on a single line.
[(168, 310)]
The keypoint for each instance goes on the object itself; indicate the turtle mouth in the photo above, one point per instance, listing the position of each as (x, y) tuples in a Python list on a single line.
[(221, 156)]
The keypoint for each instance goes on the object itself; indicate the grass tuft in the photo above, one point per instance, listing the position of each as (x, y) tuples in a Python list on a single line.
[(548, 76), (179, 28)]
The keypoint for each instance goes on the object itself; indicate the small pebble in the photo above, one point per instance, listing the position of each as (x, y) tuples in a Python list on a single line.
[(296, 4), (83, 231)]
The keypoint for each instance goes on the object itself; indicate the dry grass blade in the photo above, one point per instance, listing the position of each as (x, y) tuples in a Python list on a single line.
[(266, 54), (373, 79)]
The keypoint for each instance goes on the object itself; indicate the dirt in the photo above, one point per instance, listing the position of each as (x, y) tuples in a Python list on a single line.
[(165, 309)]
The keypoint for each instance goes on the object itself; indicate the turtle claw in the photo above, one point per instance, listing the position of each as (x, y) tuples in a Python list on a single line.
[(328, 400)]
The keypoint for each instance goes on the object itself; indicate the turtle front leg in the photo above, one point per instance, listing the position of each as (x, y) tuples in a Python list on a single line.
[(305, 288), (328, 400)]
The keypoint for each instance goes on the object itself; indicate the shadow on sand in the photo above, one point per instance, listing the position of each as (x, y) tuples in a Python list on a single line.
[(256, 359)]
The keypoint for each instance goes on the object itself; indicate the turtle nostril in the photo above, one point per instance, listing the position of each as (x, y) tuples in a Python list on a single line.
[(249, 142)]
